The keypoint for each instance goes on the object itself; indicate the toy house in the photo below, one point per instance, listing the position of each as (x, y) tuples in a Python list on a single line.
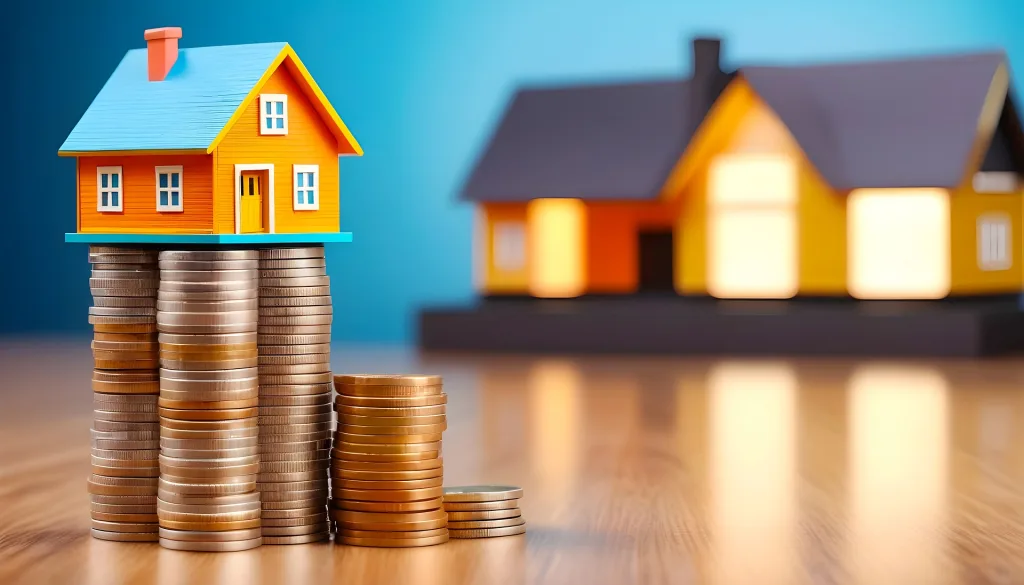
[(878, 180), (739, 195), (230, 144)]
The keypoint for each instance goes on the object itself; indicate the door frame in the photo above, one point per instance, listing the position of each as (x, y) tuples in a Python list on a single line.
[(269, 167)]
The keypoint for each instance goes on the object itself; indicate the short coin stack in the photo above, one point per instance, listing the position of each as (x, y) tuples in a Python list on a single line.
[(125, 434), (386, 466), (295, 418), (209, 392), (484, 511)]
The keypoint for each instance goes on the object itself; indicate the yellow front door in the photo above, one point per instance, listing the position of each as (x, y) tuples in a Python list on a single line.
[(250, 195)]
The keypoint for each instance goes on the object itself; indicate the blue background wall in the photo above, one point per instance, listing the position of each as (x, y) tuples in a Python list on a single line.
[(421, 84)]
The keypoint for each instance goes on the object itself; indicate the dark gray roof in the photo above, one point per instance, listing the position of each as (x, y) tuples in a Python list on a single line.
[(908, 123), (594, 142)]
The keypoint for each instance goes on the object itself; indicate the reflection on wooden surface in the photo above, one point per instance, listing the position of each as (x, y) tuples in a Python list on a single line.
[(636, 470)]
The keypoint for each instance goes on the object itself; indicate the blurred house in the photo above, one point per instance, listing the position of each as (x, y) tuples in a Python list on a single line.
[(877, 180)]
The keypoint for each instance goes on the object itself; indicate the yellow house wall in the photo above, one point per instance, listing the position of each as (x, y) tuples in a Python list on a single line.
[(967, 278), (742, 124), (496, 281)]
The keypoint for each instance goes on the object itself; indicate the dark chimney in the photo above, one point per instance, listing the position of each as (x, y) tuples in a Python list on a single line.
[(708, 80)]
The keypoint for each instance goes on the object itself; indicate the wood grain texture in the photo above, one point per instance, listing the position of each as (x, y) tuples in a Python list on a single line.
[(636, 470), (308, 142), (140, 214)]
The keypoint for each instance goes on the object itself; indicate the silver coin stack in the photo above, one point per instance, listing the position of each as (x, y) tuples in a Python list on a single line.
[(295, 413), (209, 393), (125, 433)]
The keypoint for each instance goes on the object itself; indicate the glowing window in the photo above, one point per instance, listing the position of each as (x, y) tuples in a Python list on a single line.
[(994, 242)]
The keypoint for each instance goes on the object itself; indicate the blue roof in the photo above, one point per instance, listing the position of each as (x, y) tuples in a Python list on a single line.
[(185, 111)]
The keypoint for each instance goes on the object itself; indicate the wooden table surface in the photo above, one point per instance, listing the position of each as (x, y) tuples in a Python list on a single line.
[(653, 470)]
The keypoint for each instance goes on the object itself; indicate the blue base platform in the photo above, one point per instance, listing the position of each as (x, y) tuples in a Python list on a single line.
[(210, 239)]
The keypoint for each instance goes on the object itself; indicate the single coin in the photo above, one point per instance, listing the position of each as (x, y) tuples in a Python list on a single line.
[(481, 506), (207, 340), (296, 419), (208, 355), (488, 532), (209, 389), (404, 402), (304, 410), (101, 425), (124, 526), (123, 376), (267, 467), (301, 539), (208, 415), (319, 517), (125, 471), (272, 477), (123, 481), (296, 311), (122, 445), (168, 497), (383, 449), (138, 455), (403, 430), (207, 536), (389, 507), (124, 302), (206, 348), (124, 536), (210, 464), (338, 474), (122, 311), (295, 530), (206, 296), (294, 505), (170, 445), (205, 454), (215, 286), (296, 428), (478, 524), (387, 495), (408, 465), (207, 276), (476, 515), (291, 390), (124, 518), (292, 272), (299, 281), (118, 399), (387, 443), (294, 339), (225, 438), (208, 405), (384, 414), (351, 533), (267, 292), (295, 320), (391, 542), (292, 369), (121, 491), (283, 379), (207, 255), (147, 346), (242, 373), (278, 361), (218, 318), (225, 546), (148, 501), (226, 517), (414, 380), (124, 435), (304, 455), (193, 488), (301, 301), (126, 387), (353, 517), (294, 401), (114, 416), (293, 329), (210, 526), (391, 526), (482, 493), (197, 365), (381, 391), (358, 423), (118, 364), (302, 443), (121, 509), (272, 264), (290, 253), (290, 491), (205, 265), (388, 485)]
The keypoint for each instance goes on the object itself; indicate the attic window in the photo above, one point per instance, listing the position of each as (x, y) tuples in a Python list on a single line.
[(109, 189), (1000, 182), (274, 114)]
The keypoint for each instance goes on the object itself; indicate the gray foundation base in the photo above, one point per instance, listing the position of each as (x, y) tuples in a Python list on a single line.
[(681, 326)]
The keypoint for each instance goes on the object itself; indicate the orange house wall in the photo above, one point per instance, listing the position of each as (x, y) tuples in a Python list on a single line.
[(308, 142), (613, 238), (139, 213)]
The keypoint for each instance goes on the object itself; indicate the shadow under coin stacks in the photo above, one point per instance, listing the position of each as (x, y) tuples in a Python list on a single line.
[(484, 511), (295, 417), (125, 433), (209, 392), (386, 466)]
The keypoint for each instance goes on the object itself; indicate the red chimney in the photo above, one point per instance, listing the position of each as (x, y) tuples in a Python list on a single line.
[(162, 47)]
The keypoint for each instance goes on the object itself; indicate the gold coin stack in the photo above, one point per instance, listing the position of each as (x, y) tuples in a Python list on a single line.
[(209, 393), (386, 466), (125, 382), (295, 416), (484, 511)]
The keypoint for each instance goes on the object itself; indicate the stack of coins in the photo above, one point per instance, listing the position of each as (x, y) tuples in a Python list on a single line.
[(484, 511), (125, 433), (386, 466), (295, 417), (209, 393)]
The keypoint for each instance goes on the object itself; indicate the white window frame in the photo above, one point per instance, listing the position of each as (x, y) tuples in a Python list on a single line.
[(180, 189), (995, 242), (508, 258), (305, 206), (273, 98), (100, 189)]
